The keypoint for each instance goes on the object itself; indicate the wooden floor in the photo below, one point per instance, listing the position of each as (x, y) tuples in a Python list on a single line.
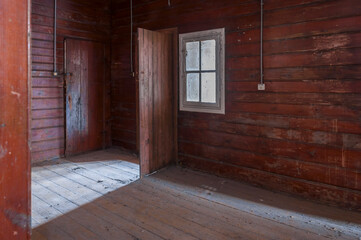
[(60, 186), (176, 203)]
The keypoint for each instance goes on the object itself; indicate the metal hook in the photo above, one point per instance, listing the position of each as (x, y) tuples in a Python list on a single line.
[(169, 3)]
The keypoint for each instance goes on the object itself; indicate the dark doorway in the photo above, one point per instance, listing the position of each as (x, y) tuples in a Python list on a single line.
[(85, 67), (157, 108)]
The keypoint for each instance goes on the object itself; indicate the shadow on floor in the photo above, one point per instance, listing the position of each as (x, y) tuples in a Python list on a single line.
[(177, 203)]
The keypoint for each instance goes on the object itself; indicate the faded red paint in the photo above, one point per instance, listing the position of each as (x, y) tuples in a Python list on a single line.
[(87, 20), (302, 134), (14, 151)]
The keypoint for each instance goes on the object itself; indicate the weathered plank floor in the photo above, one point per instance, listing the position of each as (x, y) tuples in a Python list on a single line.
[(61, 186), (182, 204)]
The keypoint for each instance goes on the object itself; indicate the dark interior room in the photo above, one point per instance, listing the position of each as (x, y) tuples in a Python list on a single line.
[(176, 119)]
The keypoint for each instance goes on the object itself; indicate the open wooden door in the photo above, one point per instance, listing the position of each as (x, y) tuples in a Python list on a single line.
[(84, 96), (156, 100)]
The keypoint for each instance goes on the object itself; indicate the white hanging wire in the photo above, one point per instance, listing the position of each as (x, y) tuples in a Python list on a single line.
[(131, 38)]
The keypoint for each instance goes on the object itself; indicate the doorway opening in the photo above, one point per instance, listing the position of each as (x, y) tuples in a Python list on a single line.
[(89, 169), (71, 112)]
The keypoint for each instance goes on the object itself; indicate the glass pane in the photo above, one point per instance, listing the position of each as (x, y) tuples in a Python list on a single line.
[(209, 87), (208, 55), (192, 56), (193, 87)]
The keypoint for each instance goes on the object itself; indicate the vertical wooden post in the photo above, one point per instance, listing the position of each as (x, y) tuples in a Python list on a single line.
[(14, 120)]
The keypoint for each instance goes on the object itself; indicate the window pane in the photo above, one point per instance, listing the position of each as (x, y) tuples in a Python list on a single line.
[(192, 56), (193, 87), (209, 87), (208, 55)]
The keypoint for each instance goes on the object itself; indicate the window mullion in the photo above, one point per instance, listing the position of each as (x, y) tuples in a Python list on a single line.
[(203, 71), (200, 72)]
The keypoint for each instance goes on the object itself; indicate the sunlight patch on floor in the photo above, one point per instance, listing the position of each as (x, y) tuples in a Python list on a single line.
[(62, 187)]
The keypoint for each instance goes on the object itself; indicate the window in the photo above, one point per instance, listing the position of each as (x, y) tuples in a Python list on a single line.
[(201, 85)]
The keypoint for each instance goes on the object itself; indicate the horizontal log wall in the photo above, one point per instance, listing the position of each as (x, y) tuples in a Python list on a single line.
[(303, 134), (88, 20), (123, 97)]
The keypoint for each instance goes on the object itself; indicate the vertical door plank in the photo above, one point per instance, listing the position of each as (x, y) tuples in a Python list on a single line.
[(144, 99), (73, 110), (156, 114), (96, 85)]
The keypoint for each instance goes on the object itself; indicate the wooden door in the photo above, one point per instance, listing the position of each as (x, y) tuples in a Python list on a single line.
[(85, 67), (156, 100)]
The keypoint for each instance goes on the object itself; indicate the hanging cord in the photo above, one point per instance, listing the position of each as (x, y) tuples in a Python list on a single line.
[(131, 38), (55, 73), (261, 53)]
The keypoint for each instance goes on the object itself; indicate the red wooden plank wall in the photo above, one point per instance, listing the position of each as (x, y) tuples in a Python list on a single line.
[(123, 98), (303, 134), (87, 20)]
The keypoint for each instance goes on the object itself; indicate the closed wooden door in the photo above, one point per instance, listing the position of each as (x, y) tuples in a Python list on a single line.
[(156, 100), (84, 96)]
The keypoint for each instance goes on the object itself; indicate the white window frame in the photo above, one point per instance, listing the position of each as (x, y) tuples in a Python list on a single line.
[(219, 107)]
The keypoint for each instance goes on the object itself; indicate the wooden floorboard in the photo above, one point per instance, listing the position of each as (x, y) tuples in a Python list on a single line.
[(174, 203), (226, 221), (60, 186)]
